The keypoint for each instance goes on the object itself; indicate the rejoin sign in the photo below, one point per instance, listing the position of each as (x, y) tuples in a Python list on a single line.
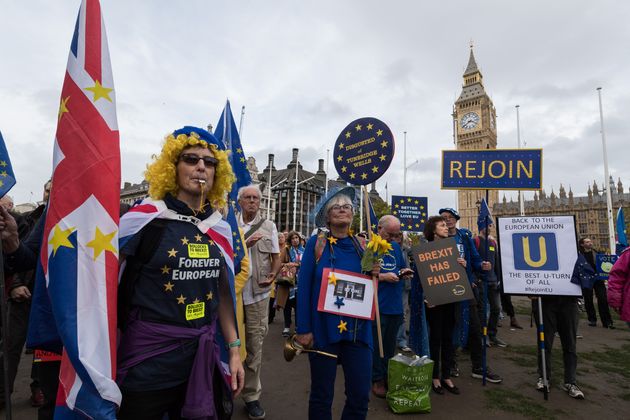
[(538, 255), (507, 169)]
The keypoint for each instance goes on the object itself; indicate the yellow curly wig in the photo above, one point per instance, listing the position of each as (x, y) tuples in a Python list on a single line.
[(162, 173)]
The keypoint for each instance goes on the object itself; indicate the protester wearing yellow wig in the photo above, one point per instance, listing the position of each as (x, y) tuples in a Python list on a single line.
[(162, 175)]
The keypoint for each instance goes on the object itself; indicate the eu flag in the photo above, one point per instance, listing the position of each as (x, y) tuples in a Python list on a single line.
[(226, 132), (485, 218), (7, 178), (239, 249), (622, 239), (373, 223)]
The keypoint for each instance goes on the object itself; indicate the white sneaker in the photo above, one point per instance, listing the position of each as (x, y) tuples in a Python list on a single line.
[(574, 391), (540, 385), (286, 332)]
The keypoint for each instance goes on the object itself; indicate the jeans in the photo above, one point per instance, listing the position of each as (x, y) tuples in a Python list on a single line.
[(475, 344), (389, 328), (288, 307), (494, 299), (441, 321), (560, 313), (602, 304), (355, 360)]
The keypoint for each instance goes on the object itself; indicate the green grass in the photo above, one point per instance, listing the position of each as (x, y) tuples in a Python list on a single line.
[(625, 396), (514, 402), (611, 360)]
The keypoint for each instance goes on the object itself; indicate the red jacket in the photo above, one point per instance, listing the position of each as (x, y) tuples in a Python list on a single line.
[(619, 286)]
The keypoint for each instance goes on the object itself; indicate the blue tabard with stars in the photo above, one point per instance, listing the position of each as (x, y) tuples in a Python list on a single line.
[(390, 294), (180, 286)]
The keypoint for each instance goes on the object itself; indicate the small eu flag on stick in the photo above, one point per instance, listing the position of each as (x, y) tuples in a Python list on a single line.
[(7, 178)]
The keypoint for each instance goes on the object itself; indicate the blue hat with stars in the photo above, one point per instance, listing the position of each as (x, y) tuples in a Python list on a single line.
[(203, 134), (320, 215), (450, 210)]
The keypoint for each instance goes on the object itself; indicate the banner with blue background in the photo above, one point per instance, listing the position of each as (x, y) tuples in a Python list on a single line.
[(412, 212)]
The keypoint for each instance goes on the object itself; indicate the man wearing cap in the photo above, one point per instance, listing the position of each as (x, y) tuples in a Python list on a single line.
[(261, 238), (474, 263)]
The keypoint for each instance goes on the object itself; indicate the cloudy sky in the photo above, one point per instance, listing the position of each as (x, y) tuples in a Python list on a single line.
[(303, 70)]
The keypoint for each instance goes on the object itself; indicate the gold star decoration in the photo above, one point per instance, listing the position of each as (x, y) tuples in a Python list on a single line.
[(211, 242), (1, 183), (196, 300), (363, 175), (379, 133), (352, 175), (209, 296), (341, 146), (417, 225), (343, 326), (3, 163), (238, 248), (370, 126), (99, 91), (332, 240), (198, 237), (409, 199), (239, 150), (181, 300), (394, 212), (102, 242), (60, 238), (332, 279), (242, 159), (358, 127), (184, 240), (166, 269), (168, 287), (63, 107), (396, 205), (374, 169), (348, 134), (339, 158), (421, 207), (344, 169), (384, 143), (3, 173), (382, 158), (416, 202), (172, 252)]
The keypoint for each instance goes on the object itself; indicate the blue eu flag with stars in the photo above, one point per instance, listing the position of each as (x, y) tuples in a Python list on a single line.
[(227, 133), (373, 224), (7, 178), (485, 218)]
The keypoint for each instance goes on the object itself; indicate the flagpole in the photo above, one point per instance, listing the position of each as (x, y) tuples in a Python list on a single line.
[(611, 226), (405, 163), (361, 213), (374, 278), (521, 201), (240, 123), (5, 343), (327, 158), (269, 192), (295, 191)]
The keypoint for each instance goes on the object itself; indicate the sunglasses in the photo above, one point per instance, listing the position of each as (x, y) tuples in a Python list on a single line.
[(192, 160)]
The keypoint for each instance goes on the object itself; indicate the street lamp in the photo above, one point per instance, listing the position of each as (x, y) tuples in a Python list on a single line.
[(295, 195), (406, 168)]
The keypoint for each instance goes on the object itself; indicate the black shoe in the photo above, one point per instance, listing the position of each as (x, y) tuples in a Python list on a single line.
[(490, 376), (592, 323), (437, 389), (452, 389), (254, 410)]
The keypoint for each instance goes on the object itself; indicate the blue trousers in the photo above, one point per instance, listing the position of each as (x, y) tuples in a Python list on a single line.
[(390, 325), (356, 361)]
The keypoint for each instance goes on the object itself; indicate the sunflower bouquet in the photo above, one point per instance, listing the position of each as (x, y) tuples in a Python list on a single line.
[(376, 248)]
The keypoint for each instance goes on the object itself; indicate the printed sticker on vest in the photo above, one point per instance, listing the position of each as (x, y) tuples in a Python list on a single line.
[(198, 251), (195, 311)]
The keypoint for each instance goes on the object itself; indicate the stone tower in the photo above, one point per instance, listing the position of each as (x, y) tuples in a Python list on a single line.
[(476, 128)]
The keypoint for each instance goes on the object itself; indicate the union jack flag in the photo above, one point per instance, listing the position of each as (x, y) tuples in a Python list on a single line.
[(79, 252)]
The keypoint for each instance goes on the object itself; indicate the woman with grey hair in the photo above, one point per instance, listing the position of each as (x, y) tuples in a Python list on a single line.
[(348, 338)]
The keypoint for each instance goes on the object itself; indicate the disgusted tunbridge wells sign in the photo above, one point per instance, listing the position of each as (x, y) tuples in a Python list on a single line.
[(443, 279)]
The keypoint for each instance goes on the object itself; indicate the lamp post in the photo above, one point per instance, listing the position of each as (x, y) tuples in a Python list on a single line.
[(611, 226), (406, 168), (521, 201), (269, 188), (295, 195)]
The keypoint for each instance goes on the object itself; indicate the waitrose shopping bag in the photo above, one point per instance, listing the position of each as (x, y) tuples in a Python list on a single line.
[(409, 384)]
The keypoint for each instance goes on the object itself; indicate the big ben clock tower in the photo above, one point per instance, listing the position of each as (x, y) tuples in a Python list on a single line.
[(475, 128)]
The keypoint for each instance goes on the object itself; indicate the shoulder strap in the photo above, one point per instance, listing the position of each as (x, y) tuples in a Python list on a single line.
[(254, 228), (320, 244), (151, 236), (477, 242)]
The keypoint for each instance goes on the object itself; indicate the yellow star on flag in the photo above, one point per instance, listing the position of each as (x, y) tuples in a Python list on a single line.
[(184, 240), (344, 169), (172, 252), (363, 175), (396, 205), (181, 300), (384, 143), (352, 175), (209, 296), (63, 107), (332, 279), (1, 183), (421, 207), (394, 212), (168, 287), (382, 158), (375, 169), (196, 300), (417, 225), (343, 326), (198, 237), (3, 163), (102, 242), (239, 150), (416, 202), (348, 134), (409, 199), (370, 126), (242, 159), (166, 269), (99, 91), (3, 173), (379, 133), (60, 238), (358, 127), (339, 158), (341, 146), (332, 240)]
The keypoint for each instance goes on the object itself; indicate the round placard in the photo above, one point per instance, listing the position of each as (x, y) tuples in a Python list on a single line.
[(363, 151)]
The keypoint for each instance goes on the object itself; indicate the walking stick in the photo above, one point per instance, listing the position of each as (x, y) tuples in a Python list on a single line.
[(541, 340), (5, 344), (366, 203), (484, 340)]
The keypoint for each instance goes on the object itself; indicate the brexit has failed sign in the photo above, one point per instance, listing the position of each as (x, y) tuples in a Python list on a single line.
[(363, 151), (411, 211), (538, 255), (502, 169)]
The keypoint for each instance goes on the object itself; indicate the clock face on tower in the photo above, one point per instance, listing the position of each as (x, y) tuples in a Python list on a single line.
[(469, 121)]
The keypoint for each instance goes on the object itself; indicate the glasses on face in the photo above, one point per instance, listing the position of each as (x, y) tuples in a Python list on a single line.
[(193, 160), (250, 197), (346, 207)]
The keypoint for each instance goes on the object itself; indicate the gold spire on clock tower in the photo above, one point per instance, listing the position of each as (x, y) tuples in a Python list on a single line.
[(474, 119)]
